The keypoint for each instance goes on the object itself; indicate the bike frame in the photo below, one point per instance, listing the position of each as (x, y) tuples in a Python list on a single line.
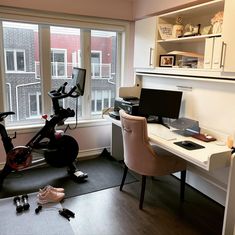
[(58, 151), (6, 140), (46, 132)]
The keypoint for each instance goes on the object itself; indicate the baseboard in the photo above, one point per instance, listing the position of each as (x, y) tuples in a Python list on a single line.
[(207, 187), (91, 152)]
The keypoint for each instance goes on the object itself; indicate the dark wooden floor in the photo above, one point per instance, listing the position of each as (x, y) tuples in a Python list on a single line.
[(111, 212)]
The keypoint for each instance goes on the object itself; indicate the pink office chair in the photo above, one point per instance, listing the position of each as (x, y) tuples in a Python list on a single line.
[(146, 159)]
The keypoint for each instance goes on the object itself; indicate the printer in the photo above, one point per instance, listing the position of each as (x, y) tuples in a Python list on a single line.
[(129, 104)]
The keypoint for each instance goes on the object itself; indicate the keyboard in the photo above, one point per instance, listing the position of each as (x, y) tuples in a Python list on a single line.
[(164, 134), (115, 115)]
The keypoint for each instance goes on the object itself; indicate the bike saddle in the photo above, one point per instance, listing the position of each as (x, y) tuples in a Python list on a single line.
[(5, 114)]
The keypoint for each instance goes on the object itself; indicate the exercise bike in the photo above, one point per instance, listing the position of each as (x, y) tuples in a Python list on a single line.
[(58, 149)]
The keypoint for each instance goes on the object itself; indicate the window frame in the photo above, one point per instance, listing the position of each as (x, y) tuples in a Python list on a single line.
[(14, 60)]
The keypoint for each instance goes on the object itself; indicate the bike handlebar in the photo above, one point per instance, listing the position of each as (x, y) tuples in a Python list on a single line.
[(5, 114), (60, 93)]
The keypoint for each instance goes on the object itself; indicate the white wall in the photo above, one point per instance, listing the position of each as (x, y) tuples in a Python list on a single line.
[(114, 9), (88, 137), (212, 104)]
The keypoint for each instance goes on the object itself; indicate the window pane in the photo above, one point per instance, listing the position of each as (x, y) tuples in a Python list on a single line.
[(20, 61), (22, 55), (103, 67), (65, 48), (58, 63), (33, 104), (95, 64), (10, 60)]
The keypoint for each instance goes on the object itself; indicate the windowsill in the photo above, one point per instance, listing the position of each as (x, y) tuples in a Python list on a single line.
[(80, 124)]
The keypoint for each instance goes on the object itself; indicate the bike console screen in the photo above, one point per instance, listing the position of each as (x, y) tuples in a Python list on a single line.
[(79, 76), (78, 86)]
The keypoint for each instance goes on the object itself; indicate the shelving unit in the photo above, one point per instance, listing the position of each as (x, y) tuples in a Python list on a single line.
[(199, 14), (216, 50)]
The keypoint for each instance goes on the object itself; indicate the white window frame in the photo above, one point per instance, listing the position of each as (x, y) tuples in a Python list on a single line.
[(14, 60), (43, 19)]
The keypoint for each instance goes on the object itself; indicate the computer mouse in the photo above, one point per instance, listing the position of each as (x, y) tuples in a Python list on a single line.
[(187, 144)]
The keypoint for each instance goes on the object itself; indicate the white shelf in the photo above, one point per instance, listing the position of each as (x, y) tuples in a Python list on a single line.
[(199, 38), (208, 75)]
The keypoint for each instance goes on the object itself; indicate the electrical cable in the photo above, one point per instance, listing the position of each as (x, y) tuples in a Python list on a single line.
[(76, 118)]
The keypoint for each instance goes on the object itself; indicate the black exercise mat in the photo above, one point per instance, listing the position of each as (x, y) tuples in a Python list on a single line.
[(103, 172)]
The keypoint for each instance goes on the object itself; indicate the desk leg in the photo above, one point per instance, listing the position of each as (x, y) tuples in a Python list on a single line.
[(117, 143), (229, 213)]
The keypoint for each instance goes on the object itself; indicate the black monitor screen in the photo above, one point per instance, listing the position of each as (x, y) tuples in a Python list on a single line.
[(160, 103), (79, 76)]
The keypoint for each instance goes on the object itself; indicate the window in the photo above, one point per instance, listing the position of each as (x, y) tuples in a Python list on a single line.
[(101, 100), (35, 105), (104, 67), (70, 46), (15, 60), (95, 64), (58, 63), (64, 59), (20, 42)]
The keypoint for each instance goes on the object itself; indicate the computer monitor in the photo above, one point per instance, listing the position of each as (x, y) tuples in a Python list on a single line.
[(78, 80), (159, 104)]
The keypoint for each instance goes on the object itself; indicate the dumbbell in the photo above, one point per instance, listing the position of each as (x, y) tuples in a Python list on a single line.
[(38, 209), (24, 199), (19, 207)]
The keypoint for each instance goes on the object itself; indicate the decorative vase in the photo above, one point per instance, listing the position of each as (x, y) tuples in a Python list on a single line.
[(177, 30)]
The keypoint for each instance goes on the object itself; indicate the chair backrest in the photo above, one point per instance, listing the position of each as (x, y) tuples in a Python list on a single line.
[(138, 153), (142, 157)]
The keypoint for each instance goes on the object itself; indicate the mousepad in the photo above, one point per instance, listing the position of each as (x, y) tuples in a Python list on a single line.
[(189, 145)]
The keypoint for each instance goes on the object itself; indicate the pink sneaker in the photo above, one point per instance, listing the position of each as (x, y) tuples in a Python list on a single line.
[(50, 196), (61, 190)]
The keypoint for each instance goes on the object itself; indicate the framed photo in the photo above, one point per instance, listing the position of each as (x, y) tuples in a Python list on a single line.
[(167, 60)]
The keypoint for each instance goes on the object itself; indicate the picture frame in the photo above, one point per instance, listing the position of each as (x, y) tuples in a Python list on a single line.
[(167, 60), (165, 31)]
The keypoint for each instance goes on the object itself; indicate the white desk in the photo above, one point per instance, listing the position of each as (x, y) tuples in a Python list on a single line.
[(211, 157), (208, 158)]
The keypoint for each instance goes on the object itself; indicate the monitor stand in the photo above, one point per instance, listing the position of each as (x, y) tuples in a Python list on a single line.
[(158, 120)]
